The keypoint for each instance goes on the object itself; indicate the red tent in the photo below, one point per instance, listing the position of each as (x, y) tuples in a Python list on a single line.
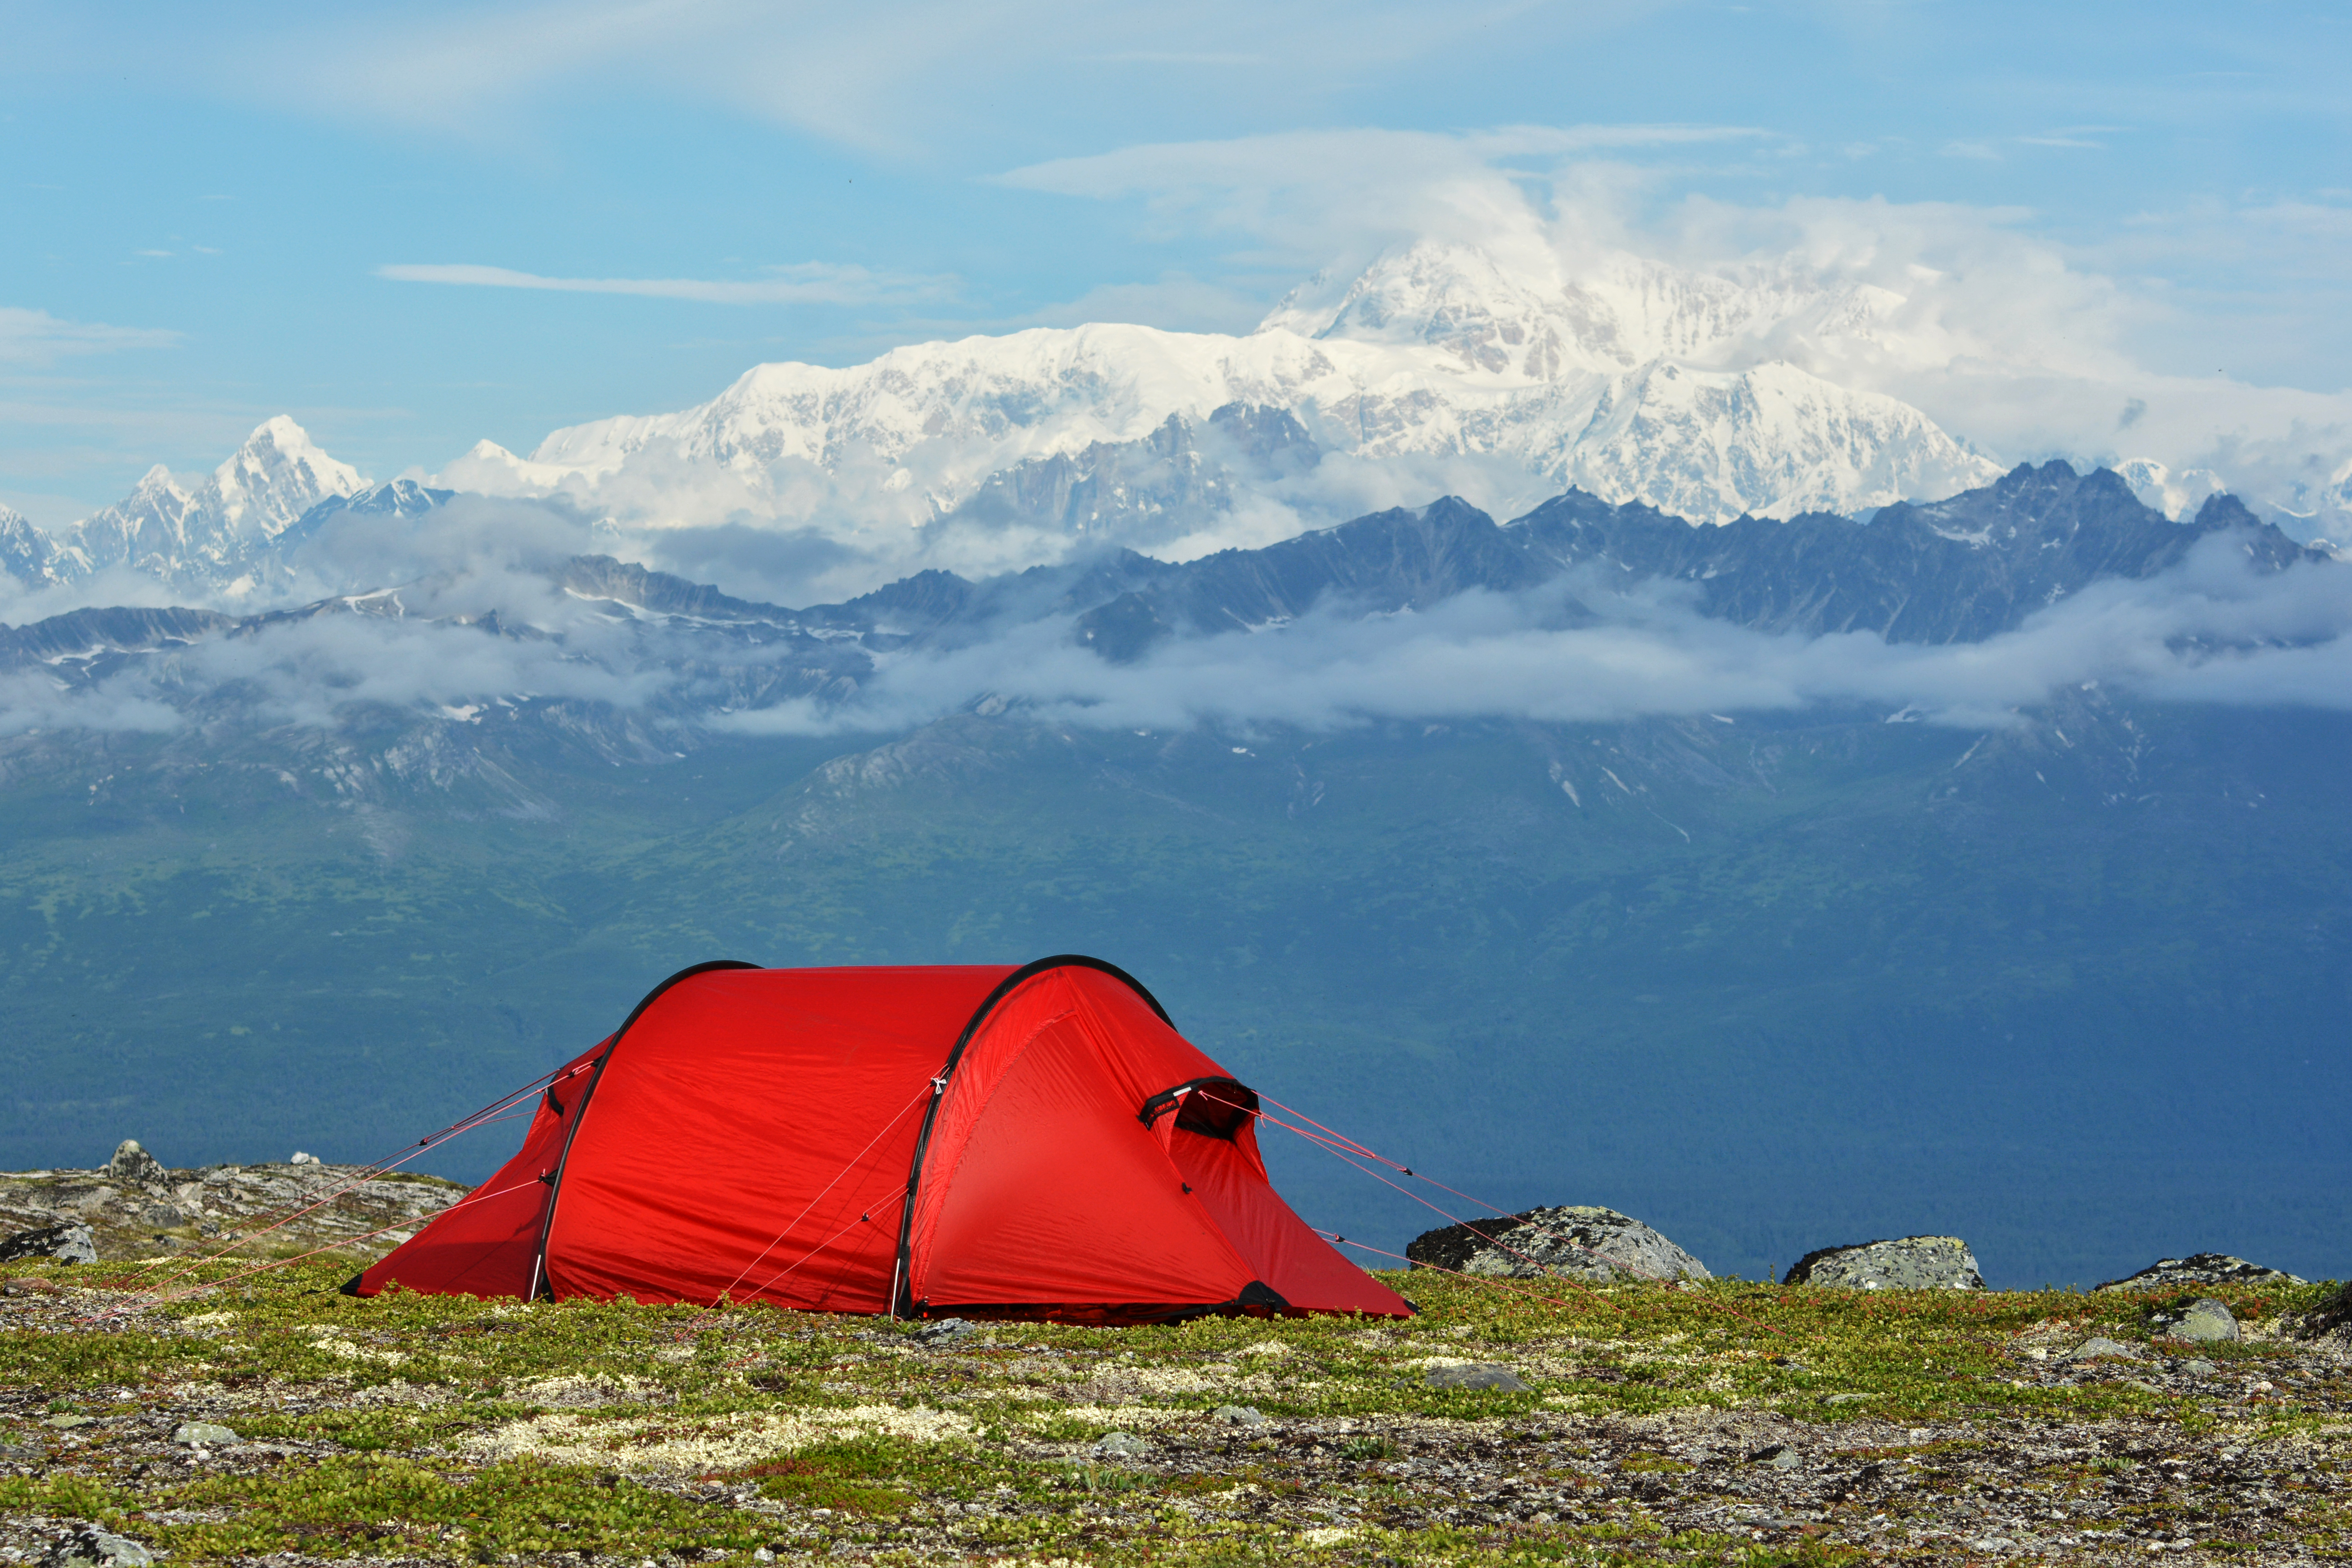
[(980, 1142)]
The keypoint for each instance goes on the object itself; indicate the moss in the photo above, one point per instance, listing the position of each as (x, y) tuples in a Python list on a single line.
[(414, 1420)]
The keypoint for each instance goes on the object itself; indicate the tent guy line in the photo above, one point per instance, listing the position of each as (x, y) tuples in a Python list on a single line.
[(488, 1116), (1340, 1145), (1345, 1149), (911, 1103)]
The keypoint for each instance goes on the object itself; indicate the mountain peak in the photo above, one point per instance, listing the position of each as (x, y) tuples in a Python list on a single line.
[(1458, 298), (278, 474)]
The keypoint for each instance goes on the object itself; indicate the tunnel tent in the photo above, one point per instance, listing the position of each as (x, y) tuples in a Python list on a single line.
[(981, 1141)]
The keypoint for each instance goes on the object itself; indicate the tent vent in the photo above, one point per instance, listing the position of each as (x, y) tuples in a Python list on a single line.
[(1213, 1107)]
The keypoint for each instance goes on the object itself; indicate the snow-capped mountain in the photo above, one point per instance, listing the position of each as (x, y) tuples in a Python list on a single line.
[(204, 537), (1656, 386), (1439, 369)]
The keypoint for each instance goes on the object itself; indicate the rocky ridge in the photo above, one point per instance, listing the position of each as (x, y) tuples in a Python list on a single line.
[(135, 1206), (2199, 1268)]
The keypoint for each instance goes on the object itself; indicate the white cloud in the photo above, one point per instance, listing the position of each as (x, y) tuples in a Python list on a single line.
[(37, 338), (806, 283), (894, 77), (1317, 196)]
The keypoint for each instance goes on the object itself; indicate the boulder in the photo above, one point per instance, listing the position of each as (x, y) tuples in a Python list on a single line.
[(1574, 1241), (945, 1331), (91, 1547), (68, 1243), (1501, 1379), (2099, 1346), (2204, 1319), (2199, 1268), (202, 1435), (1911, 1263), (1241, 1414), (133, 1164)]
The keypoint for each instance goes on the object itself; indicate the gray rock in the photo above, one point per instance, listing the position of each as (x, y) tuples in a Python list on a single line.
[(946, 1331), (1241, 1415), (2200, 1368), (1501, 1379), (1911, 1263), (1575, 1241), (89, 1548), (69, 1422), (202, 1435), (2099, 1345), (2204, 1319), (2201, 1269), (1122, 1445), (162, 1216), (68, 1243), (302, 1159), (134, 1164)]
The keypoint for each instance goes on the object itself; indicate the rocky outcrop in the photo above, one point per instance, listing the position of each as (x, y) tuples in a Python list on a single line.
[(134, 1206), (1573, 1241), (1911, 1263), (2199, 1268), (68, 1243)]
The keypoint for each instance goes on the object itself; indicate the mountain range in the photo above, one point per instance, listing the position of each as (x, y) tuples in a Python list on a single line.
[(1438, 368)]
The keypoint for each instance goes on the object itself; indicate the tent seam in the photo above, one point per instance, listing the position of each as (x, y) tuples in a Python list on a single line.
[(540, 1277), (902, 1266)]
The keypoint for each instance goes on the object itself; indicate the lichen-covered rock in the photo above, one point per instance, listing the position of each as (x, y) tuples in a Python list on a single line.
[(2199, 1268), (1910, 1263), (202, 1435), (1466, 1374), (1575, 1241), (67, 1242), (132, 1164), (2098, 1347), (2203, 1320), (89, 1548)]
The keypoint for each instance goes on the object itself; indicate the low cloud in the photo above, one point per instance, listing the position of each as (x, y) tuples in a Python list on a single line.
[(36, 338), (1580, 651), (806, 283), (488, 627)]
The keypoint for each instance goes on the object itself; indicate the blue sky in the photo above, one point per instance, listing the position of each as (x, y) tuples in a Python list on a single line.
[(201, 204)]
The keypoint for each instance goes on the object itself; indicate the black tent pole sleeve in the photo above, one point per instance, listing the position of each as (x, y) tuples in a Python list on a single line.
[(902, 1290), (539, 1284)]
